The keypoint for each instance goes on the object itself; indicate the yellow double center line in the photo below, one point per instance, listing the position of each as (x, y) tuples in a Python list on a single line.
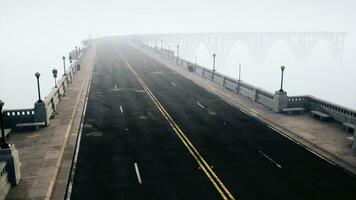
[(215, 180)]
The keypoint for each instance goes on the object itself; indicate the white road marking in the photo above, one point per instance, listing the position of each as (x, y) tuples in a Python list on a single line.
[(200, 104), (121, 110), (270, 159), (138, 174), (173, 84)]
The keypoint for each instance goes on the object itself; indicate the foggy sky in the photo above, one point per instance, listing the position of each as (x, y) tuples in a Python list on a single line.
[(35, 34)]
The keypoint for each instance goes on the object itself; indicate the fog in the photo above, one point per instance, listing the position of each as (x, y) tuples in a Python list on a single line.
[(34, 35)]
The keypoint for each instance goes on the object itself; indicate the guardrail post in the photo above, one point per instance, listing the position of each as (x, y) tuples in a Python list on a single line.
[(254, 94), (237, 87), (354, 143), (53, 105)]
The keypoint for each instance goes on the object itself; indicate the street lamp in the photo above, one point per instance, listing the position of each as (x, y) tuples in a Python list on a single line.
[(161, 45), (70, 59), (240, 72), (282, 68), (38, 86), (214, 62), (177, 53), (4, 145), (54, 72), (76, 52), (64, 64)]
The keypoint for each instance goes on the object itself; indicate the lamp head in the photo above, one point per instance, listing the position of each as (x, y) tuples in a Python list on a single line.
[(37, 74), (54, 72), (283, 67), (63, 57)]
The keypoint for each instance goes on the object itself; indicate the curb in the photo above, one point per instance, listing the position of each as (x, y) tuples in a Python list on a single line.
[(59, 160)]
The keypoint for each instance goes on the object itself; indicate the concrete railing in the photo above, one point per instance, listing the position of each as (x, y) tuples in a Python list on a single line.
[(42, 112), (13, 117), (254, 93), (339, 113)]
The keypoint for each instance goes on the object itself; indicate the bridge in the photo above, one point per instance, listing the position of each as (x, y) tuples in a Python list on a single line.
[(257, 43), (136, 121)]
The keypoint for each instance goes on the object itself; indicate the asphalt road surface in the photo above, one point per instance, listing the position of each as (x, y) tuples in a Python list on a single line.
[(150, 133)]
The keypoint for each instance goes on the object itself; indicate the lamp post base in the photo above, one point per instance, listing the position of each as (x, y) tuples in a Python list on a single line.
[(11, 157), (280, 101)]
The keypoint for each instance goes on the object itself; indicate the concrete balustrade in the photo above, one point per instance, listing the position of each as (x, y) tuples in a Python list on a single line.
[(12, 117), (45, 110), (275, 101), (338, 112)]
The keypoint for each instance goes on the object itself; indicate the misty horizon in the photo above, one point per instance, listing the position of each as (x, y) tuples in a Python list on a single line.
[(35, 35)]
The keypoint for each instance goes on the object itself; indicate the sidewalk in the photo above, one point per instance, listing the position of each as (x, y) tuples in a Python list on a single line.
[(45, 153), (329, 140)]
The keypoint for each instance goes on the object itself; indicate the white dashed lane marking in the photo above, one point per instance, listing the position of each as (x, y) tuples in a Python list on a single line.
[(199, 104), (270, 159), (138, 173), (121, 110)]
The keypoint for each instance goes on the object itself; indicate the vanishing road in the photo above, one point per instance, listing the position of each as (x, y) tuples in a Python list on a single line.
[(149, 133)]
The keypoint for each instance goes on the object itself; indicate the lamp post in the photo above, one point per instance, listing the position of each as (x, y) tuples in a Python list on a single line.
[(76, 52), (161, 45), (214, 62), (54, 72), (282, 68), (4, 145), (64, 64), (70, 59), (240, 72), (177, 53), (38, 86), (156, 44)]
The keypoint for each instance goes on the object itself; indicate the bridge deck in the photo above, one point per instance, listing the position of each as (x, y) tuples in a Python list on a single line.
[(131, 149), (148, 132)]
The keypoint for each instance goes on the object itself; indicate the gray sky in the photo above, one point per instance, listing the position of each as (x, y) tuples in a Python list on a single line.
[(35, 34)]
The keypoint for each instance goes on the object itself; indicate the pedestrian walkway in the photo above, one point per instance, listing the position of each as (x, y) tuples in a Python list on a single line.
[(330, 140), (46, 154)]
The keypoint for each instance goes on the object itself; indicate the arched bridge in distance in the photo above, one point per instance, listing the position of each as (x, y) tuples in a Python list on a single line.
[(257, 43)]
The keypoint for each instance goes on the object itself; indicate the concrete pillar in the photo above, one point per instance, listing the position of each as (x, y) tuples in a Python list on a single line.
[(280, 101), (354, 144), (11, 157), (41, 113)]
